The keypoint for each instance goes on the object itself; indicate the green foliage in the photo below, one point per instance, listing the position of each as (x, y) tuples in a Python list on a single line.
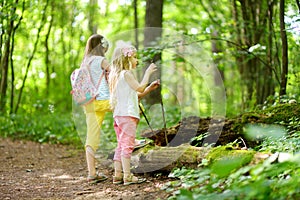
[(225, 159), (279, 119), (281, 113), (69, 25), (50, 128), (266, 180), (286, 143), (225, 174)]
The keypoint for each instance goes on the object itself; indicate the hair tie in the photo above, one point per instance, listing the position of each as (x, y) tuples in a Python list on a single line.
[(104, 43), (128, 51)]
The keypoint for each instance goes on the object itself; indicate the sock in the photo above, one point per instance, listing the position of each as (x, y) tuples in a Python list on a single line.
[(90, 158), (126, 166), (118, 168)]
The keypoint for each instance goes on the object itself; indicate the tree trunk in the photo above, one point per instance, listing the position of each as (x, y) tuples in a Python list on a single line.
[(298, 4), (153, 18), (136, 24), (12, 93), (269, 82), (216, 49), (1, 40), (254, 70), (47, 53), (165, 159), (5, 59), (284, 72)]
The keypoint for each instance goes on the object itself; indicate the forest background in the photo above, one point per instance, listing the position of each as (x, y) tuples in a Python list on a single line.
[(253, 44)]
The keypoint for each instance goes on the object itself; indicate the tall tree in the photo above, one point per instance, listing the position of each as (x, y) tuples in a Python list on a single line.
[(251, 18), (12, 92), (47, 50), (136, 23), (269, 87), (1, 35), (5, 57), (298, 5), (284, 71), (153, 18)]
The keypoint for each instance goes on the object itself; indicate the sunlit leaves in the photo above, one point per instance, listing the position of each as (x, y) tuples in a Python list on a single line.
[(267, 180), (261, 131)]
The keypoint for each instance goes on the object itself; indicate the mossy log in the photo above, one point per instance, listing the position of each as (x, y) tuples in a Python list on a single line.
[(179, 149), (221, 132), (163, 159), (150, 158), (224, 131)]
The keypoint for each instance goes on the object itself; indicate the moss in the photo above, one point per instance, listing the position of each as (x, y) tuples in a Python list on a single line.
[(223, 160), (228, 152), (147, 148), (282, 113), (194, 154), (286, 115), (251, 116)]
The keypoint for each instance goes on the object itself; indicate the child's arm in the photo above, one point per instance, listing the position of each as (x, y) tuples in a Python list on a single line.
[(134, 84), (150, 88), (105, 65)]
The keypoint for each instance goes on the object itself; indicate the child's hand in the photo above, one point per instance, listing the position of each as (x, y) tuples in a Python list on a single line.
[(154, 84), (152, 68)]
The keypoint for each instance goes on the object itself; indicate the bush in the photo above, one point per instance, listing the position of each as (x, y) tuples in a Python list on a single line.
[(50, 128)]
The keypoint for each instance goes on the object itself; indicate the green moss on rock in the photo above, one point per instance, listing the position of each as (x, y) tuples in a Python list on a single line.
[(225, 159), (221, 152)]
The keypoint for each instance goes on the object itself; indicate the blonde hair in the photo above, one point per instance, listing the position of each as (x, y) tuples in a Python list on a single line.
[(121, 61)]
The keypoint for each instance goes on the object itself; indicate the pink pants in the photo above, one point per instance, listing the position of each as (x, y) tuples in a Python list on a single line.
[(125, 128)]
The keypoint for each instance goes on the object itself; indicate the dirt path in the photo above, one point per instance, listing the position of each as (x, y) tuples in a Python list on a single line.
[(41, 171)]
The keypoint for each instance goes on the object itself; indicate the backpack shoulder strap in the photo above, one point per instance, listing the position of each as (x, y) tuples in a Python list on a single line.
[(102, 74), (99, 81)]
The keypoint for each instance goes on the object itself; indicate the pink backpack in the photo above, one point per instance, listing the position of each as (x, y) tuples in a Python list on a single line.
[(83, 90)]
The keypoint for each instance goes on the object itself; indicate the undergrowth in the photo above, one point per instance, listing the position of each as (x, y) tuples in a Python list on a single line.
[(274, 178), (266, 180), (232, 177), (42, 128)]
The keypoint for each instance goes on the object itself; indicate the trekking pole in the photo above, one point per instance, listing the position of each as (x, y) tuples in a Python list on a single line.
[(143, 113), (163, 114), (164, 119)]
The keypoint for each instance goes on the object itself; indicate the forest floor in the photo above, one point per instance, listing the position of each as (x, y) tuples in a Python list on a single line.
[(30, 170)]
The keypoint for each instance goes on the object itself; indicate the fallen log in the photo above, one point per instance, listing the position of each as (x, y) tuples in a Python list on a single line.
[(155, 158), (213, 131), (223, 131), (151, 159), (184, 150)]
